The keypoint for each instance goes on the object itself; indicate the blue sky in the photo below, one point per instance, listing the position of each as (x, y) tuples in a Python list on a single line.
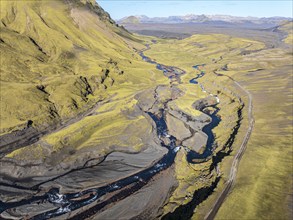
[(163, 8)]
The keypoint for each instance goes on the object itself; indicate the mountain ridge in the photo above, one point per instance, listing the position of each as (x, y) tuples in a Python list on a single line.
[(192, 18)]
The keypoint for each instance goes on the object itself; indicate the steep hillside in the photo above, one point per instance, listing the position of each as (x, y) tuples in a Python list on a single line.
[(58, 58)]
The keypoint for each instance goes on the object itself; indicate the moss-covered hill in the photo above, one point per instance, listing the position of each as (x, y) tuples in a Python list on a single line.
[(287, 27), (129, 20), (58, 58)]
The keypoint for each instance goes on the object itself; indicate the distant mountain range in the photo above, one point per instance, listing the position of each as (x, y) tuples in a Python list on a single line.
[(191, 18)]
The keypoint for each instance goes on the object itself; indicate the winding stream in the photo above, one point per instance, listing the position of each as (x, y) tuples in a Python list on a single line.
[(72, 201), (192, 156)]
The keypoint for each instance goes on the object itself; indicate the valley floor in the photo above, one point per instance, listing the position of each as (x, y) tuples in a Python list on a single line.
[(121, 126), (263, 185)]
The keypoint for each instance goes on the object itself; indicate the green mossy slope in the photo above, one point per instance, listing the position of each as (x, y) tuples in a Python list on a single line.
[(58, 58)]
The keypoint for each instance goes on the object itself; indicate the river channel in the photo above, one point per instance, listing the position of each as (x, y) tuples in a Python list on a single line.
[(72, 201)]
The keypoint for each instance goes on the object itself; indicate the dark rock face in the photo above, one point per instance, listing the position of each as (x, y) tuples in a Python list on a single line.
[(203, 103)]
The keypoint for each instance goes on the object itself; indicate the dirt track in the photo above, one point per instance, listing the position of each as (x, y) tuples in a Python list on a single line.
[(232, 177)]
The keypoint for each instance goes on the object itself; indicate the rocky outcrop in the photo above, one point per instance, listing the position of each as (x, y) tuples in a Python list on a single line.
[(203, 103), (197, 142), (194, 122), (177, 128)]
